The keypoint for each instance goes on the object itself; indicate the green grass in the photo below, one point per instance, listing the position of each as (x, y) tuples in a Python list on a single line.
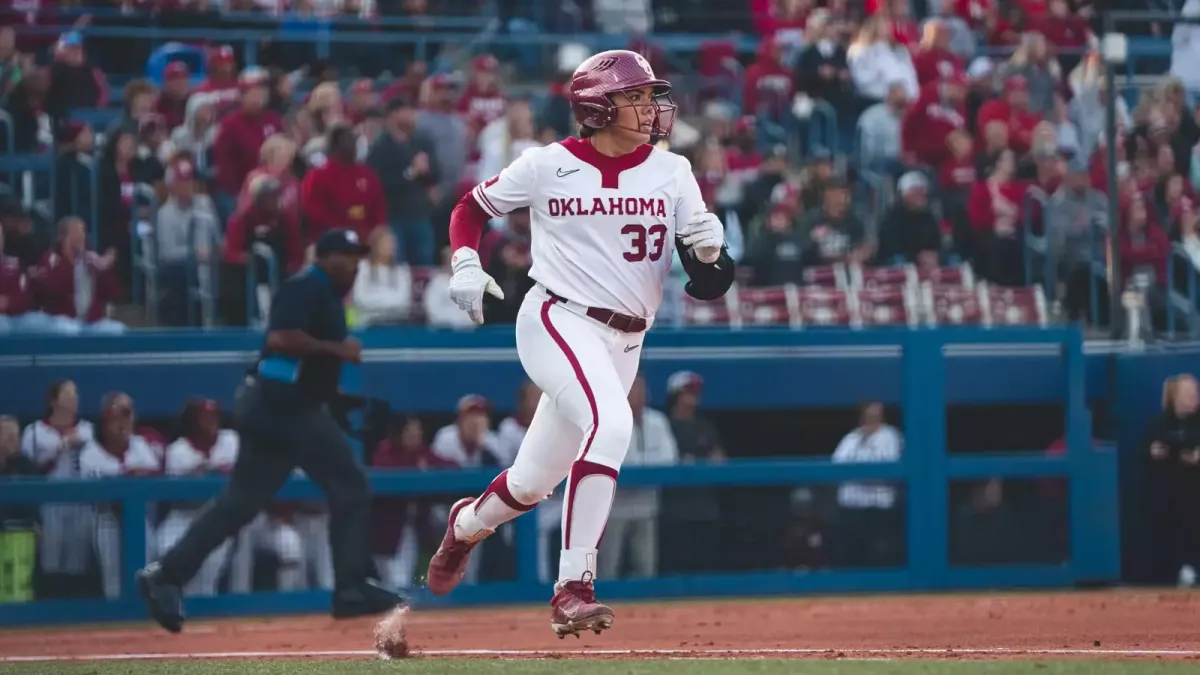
[(609, 667)]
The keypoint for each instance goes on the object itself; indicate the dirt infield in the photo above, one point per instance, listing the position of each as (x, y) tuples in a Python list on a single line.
[(1112, 624)]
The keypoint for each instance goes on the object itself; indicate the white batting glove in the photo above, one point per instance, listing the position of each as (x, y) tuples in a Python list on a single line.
[(470, 282), (705, 235)]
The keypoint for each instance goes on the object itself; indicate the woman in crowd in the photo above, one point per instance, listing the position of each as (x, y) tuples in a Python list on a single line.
[(383, 290)]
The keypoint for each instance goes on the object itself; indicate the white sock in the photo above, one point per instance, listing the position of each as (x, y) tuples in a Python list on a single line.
[(576, 564)]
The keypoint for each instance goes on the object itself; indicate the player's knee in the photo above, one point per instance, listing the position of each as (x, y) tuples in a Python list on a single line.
[(612, 435), (528, 490)]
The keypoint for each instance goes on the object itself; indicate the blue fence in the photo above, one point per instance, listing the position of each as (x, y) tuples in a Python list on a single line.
[(922, 382)]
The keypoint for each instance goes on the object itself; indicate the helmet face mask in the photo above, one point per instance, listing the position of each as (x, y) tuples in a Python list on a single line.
[(606, 82)]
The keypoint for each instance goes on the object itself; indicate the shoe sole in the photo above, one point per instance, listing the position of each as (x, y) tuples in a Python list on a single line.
[(171, 625), (597, 624), (454, 511)]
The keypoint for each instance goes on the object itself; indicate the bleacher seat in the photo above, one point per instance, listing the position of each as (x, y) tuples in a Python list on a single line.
[(707, 313), (1013, 306), (827, 276), (885, 306), (961, 275), (945, 304), (823, 306), (770, 306), (896, 276)]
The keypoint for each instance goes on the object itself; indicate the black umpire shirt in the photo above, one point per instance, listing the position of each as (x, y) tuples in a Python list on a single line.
[(309, 303)]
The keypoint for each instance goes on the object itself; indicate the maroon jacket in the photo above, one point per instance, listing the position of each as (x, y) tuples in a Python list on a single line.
[(54, 286), (339, 195), (14, 289), (389, 515), (235, 150), (928, 123)]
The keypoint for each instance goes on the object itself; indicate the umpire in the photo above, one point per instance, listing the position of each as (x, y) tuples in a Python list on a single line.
[(282, 414)]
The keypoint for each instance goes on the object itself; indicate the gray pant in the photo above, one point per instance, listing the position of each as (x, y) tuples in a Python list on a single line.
[(278, 434)]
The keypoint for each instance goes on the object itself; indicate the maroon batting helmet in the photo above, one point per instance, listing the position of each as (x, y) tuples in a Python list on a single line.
[(611, 72)]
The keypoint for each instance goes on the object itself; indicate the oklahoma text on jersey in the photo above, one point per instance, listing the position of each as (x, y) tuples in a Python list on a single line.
[(603, 227)]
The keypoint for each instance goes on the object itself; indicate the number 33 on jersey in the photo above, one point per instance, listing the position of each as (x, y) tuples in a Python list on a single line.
[(603, 227)]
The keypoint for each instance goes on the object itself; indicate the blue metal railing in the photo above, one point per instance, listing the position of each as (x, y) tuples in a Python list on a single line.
[(1183, 304), (925, 470)]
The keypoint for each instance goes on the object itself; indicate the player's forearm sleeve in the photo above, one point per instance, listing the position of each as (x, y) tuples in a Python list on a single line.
[(467, 223), (707, 281)]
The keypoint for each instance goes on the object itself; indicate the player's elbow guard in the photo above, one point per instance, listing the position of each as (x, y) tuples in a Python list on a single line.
[(707, 281)]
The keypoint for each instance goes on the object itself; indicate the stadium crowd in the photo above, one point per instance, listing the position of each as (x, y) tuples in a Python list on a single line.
[(870, 167)]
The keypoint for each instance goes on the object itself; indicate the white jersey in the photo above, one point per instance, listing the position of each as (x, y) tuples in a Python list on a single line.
[(603, 228), (139, 459), (49, 449), (184, 459)]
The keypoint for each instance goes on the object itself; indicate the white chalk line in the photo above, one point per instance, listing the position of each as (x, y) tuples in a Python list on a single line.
[(660, 653)]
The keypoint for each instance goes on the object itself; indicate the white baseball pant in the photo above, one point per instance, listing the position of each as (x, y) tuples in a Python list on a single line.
[(109, 544), (581, 429), (208, 579)]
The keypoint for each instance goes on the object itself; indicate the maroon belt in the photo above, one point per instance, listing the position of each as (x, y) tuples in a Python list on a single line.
[(614, 320)]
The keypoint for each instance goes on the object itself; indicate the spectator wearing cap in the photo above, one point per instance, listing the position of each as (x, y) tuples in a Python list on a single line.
[(482, 101), (195, 135), (832, 234), (383, 289), (187, 236), (405, 160), (776, 253), (822, 71), (76, 287), (933, 59), (342, 193), (938, 112), (173, 99), (756, 196), (31, 126), (74, 83), (879, 131), (15, 296), (439, 119), (877, 59), (995, 214), (691, 534), (909, 232), (221, 78), (1011, 111), (240, 136), (440, 310), (768, 84), (262, 246), (139, 97), (363, 98), (1074, 217)]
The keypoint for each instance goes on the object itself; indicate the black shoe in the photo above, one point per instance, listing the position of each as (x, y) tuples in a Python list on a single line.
[(164, 601), (364, 599)]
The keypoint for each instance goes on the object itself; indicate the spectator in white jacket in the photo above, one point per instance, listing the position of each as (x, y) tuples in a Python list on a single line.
[(1185, 48), (383, 290), (877, 59), (440, 310), (631, 536)]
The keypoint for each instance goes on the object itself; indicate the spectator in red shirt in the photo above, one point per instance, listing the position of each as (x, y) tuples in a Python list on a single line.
[(995, 213), (262, 239), (15, 299), (1144, 246), (239, 138), (222, 81), (768, 82), (75, 286), (1012, 111), (1068, 32), (276, 159), (362, 99), (939, 111), (933, 60), (482, 101), (172, 100), (344, 193)]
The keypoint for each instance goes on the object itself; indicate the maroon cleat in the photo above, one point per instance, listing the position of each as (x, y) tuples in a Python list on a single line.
[(449, 564), (574, 609)]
